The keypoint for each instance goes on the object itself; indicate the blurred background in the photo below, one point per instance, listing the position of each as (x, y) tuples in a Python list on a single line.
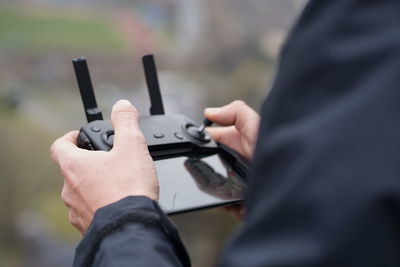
[(209, 52)]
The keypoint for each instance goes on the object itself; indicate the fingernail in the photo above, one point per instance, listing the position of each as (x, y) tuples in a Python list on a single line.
[(212, 111), (123, 103)]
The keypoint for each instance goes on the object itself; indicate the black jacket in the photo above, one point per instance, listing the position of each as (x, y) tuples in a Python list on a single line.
[(325, 187)]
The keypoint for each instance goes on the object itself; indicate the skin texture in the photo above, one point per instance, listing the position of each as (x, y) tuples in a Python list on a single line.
[(94, 179), (239, 127), (238, 130)]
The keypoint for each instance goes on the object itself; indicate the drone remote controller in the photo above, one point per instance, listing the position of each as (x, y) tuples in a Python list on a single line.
[(167, 136)]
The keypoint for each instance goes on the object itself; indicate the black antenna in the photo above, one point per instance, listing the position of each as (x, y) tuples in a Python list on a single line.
[(85, 87), (150, 71)]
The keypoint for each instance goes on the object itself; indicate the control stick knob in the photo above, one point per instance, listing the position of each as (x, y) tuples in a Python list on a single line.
[(199, 133)]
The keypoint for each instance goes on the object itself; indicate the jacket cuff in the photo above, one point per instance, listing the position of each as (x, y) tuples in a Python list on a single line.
[(132, 209)]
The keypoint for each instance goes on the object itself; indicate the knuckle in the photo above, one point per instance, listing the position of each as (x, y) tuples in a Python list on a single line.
[(67, 168), (53, 150), (65, 197), (67, 162), (127, 111), (132, 138), (66, 171), (73, 219), (133, 141), (71, 183), (238, 103), (138, 137)]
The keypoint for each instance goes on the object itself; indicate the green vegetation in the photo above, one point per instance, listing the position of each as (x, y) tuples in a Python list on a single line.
[(23, 30), (30, 181)]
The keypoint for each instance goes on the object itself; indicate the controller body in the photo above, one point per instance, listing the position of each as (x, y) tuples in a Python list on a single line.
[(166, 136)]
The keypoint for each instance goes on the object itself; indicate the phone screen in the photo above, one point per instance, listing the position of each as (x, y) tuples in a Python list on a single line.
[(196, 183)]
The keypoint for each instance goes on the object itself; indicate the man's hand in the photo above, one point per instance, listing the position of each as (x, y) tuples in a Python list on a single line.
[(240, 127), (239, 131), (93, 179)]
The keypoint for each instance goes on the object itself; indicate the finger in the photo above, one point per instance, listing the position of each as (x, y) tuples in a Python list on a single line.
[(72, 137), (64, 146), (237, 211), (65, 196), (228, 136), (74, 220), (236, 113), (226, 208), (125, 121)]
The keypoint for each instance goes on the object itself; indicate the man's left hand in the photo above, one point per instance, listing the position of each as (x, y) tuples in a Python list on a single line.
[(94, 179)]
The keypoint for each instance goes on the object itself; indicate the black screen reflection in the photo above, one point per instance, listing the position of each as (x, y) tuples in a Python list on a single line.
[(212, 182), (193, 183)]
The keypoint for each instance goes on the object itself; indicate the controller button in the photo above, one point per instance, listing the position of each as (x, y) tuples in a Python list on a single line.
[(158, 135), (95, 129), (178, 136), (84, 141), (108, 138)]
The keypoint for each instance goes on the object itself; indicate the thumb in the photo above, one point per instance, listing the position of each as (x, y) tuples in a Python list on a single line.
[(125, 121)]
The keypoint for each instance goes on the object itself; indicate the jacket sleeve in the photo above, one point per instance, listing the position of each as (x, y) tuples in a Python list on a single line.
[(325, 188), (131, 232)]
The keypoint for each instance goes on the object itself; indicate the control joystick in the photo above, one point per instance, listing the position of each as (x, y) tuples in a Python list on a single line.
[(199, 133), (206, 123)]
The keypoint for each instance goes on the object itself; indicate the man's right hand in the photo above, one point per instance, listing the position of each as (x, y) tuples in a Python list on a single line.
[(238, 130), (239, 127)]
